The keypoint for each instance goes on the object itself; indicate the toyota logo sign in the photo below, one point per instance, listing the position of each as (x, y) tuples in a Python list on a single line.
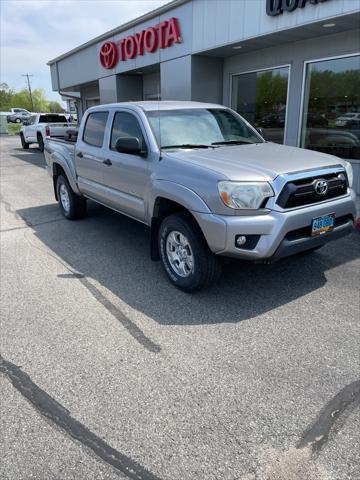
[(108, 55), (321, 187), (162, 35)]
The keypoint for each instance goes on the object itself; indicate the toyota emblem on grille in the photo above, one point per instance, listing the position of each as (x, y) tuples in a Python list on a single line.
[(321, 187)]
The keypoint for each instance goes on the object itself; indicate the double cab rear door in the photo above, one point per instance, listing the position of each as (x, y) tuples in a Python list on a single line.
[(117, 180)]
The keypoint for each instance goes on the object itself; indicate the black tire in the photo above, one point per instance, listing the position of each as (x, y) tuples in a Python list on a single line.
[(206, 267), (40, 142), (24, 144), (77, 204)]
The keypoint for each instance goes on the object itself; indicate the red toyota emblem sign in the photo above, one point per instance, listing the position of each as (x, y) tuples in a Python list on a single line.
[(108, 55), (163, 35)]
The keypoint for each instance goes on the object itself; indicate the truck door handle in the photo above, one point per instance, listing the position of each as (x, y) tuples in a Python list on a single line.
[(80, 155), (107, 162)]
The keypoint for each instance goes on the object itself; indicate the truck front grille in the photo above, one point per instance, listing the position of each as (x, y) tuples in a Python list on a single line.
[(298, 193)]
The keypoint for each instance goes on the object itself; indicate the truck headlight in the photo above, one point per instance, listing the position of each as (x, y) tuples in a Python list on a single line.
[(244, 195), (349, 173)]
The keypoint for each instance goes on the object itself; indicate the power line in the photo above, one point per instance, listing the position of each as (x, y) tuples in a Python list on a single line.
[(28, 82)]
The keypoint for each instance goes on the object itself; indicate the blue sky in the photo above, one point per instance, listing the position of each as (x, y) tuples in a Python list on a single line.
[(35, 31)]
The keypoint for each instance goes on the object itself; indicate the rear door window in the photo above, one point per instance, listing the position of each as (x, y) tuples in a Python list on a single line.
[(94, 130)]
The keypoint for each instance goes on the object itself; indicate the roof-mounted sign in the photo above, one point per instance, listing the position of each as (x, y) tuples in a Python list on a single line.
[(162, 35), (277, 7)]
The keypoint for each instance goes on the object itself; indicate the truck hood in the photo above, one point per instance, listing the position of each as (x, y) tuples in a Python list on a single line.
[(256, 161)]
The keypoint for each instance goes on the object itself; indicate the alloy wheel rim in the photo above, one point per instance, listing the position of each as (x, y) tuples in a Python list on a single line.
[(179, 254), (64, 197)]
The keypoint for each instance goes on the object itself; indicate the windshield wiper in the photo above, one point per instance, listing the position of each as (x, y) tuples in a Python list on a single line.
[(232, 142), (188, 145)]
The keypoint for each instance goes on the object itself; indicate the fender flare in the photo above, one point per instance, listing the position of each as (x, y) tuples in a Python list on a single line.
[(177, 193), (174, 192), (57, 159)]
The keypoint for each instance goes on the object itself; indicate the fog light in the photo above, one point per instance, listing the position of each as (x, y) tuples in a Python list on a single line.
[(240, 240)]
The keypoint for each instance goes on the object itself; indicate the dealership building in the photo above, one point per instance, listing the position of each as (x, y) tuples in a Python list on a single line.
[(290, 67)]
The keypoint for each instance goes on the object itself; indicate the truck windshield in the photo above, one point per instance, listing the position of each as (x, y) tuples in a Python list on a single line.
[(199, 128)]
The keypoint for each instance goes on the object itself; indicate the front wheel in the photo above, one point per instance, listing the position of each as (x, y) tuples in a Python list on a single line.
[(72, 206), (18, 120), (185, 255)]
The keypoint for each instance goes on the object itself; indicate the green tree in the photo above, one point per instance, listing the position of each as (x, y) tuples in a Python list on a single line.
[(41, 104), (21, 99), (55, 107), (6, 94)]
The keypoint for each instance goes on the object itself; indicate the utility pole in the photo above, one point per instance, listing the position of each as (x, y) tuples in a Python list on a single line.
[(28, 82)]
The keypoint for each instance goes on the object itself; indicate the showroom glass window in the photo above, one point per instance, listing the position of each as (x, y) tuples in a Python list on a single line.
[(260, 97), (331, 116)]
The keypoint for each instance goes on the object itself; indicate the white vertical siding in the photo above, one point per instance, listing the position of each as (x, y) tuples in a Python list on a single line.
[(210, 22), (236, 27), (254, 10), (218, 22), (222, 28)]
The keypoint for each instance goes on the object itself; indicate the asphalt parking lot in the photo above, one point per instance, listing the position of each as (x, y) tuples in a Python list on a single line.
[(109, 372)]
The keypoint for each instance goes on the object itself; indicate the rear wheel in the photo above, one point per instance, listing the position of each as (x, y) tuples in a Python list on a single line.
[(185, 255), (71, 205), (24, 144), (40, 142)]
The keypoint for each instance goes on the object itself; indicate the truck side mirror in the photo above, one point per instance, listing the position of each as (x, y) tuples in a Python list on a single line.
[(71, 135), (129, 145)]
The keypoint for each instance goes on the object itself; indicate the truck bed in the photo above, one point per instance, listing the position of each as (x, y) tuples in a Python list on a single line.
[(58, 145)]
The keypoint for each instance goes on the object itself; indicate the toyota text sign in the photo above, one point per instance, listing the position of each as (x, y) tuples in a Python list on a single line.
[(162, 35)]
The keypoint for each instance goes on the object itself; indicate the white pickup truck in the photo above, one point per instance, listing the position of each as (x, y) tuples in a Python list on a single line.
[(41, 125)]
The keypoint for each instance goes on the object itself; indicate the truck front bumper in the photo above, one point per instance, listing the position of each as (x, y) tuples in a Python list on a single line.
[(275, 234)]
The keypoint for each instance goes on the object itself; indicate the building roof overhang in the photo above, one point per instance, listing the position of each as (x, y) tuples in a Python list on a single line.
[(132, 23), (342, 23)]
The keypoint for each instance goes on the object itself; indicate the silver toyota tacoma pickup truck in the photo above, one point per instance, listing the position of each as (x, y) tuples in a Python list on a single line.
[(205, 182)]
